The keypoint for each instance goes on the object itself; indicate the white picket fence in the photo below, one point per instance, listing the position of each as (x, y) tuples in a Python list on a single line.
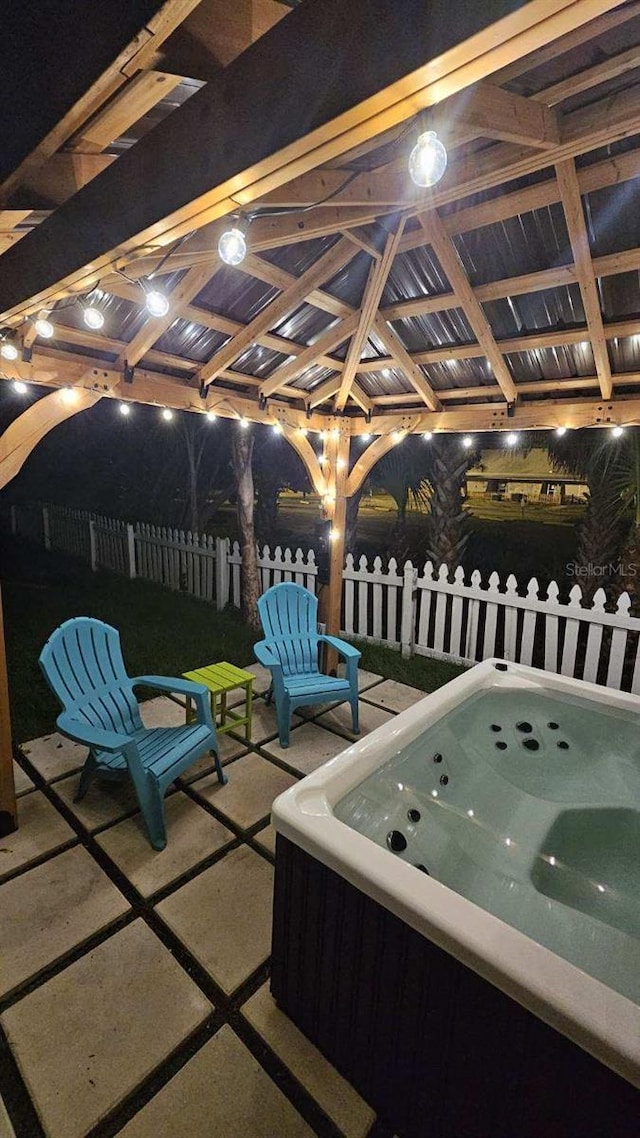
[(205, 566), (442, 615)]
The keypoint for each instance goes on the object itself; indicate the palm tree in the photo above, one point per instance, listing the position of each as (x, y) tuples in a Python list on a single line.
[(590, 456), (448, 522), (403, 473)]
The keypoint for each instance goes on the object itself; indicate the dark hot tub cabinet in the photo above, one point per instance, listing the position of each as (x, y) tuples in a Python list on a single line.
[(448, 1021)]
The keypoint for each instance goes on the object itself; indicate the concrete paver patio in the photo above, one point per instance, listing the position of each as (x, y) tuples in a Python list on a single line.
[(134, 996)]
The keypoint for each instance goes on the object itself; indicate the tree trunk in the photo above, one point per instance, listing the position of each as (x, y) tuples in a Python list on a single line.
[(351, 523), (241, 453), (448, 523)]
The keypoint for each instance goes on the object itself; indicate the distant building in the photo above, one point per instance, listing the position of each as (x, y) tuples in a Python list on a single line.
[(506, 476)]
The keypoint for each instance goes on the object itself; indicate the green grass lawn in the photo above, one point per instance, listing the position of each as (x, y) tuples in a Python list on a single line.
[(163, 633)]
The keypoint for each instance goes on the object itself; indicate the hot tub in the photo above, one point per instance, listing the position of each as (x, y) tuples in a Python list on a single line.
[(457, 910)]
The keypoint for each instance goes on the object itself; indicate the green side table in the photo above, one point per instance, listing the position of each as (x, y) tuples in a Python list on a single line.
[(220, 679)]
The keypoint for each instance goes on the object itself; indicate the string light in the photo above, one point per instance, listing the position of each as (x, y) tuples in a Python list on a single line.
[(340, 464), (125, 409), (428, 160), (277, 427), (167, 414), (334, 534), (211, 416), (303, 432), (427, 436), (365, 438), (244, 423), (397, 436), (467, 442), (19, 387), (512, 440), (93, 317), (232, 246), (68, 395), (617, 432), (9, 349), (157, 303), (560, 431), (43, 326)]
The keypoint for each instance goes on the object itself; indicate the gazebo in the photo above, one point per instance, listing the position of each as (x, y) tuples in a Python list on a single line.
[(504, 296)]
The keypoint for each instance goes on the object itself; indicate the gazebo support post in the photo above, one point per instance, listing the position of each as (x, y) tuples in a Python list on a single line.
[(336, 468), (8, 804)]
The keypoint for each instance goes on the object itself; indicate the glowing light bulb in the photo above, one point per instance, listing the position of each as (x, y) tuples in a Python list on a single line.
[(470, 813), (560, 431), (323, 435), (68, 395), (244, 423), (93, 317), (167, 414), (616, 432), (365, 438), (334, 534), (397, 436), (428, 160), (8, 350), (303, 432), (427, 436), (19, 387), (512, 440), (340, 464), (156, 302), (125, 409), (232, 246), (467, 442), (43, 326), (277, 428), (211, 416)]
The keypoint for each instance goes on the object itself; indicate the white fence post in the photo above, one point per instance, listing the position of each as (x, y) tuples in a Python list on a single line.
[(131, 550), (46, 535), (222, 572), (92, 543), (408, 619)]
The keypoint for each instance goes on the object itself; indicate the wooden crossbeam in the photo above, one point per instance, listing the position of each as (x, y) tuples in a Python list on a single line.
[(579, 238), (608, 120), (118, 286), (495, 113), (376, 281), (435, 58), (611, 264), (328, 342), (280, 278), (135, 99), (131, 58), (416, 378), (155, 388), (450, 261), (321, 270), (154, 327)]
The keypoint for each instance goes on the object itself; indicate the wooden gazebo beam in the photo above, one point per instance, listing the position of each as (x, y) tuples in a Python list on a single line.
[(249, 152)]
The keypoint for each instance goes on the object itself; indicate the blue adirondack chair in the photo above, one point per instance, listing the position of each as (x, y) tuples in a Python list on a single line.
[(82, 663), (289, 616)]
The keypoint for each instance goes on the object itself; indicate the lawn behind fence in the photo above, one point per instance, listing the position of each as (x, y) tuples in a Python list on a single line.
[(163, 632)]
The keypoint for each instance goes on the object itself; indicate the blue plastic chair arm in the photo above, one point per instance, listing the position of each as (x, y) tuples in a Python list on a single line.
[(91, 736), (171, 684), (267, 658), (341, 646)]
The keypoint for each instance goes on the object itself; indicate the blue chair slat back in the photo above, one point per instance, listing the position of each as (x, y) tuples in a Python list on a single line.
[(289, 616), (82, 661)]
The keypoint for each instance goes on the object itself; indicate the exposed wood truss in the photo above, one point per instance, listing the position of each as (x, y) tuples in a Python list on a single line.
[(341, 183)]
